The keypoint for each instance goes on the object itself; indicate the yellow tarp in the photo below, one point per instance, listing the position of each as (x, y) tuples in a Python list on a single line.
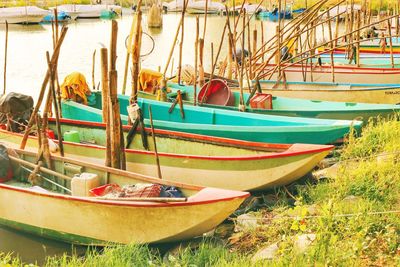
[(75, 87), (149, 80)]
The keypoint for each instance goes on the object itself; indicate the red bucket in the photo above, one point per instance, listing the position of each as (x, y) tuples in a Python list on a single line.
[(217, 94)]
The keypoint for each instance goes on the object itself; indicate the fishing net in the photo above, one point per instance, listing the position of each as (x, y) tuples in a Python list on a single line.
[(5, 165), (17, 107)]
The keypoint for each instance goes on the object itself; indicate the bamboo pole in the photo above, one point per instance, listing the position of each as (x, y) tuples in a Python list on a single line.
[(155, 144), (41, 169), (53, 60), (125, 72), (390, 42), (106, 102), (136, 54), (56, 111), (181, 43), (196, 50), (205, 19), (5, 60), (93, 68), (115, 121), (358, 38), (332, 47), (201, 66)]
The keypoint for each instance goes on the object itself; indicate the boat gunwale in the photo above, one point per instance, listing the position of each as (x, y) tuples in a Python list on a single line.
[(267, 155)]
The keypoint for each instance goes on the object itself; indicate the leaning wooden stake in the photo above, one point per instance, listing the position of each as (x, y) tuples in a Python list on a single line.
[(181, 43), (155, 144), (106, 102), (5, 60), (56, 111), (53, 60), (390, 42), (201, 66)]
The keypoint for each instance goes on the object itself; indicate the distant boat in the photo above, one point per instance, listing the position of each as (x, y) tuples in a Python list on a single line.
[(91, 11), (22, 15), (367, 60), (275, 15), (174, 5), (61, 17), (52, 208), (199, 7)]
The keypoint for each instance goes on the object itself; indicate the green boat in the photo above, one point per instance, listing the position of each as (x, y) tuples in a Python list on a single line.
[(223, 123), (295, 107)]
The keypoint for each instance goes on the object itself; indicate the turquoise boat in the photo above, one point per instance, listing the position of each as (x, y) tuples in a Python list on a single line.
[(223, 123), (366, 60), (296, 107)]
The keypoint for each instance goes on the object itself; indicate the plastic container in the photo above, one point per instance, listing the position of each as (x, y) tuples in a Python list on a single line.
[(217, 94), (83, 183), (72, 136), (261, 101)]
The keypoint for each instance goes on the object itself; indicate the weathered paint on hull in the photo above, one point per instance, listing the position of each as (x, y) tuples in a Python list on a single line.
[(226, 124), (234, 169), (347, 93), (93, 221), (87, 223)]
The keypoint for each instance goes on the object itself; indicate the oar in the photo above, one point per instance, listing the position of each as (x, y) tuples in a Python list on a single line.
[(145, 199), (41, 169)]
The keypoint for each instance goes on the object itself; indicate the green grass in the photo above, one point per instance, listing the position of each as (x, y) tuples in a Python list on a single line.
[(347, 215)]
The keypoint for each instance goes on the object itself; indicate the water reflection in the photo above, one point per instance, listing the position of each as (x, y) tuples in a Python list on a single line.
[(33, 249)]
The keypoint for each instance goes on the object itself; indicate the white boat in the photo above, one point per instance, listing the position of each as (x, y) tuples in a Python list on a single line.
[(175, 5), (199, 7), (89, 11), (22, 15)]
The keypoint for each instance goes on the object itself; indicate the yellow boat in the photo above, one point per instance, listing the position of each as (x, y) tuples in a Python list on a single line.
[(100, 221)]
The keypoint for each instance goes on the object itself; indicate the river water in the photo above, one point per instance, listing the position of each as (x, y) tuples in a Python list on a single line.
[(26, 67)]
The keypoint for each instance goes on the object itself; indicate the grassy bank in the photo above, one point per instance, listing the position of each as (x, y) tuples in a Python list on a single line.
[(352, 211)]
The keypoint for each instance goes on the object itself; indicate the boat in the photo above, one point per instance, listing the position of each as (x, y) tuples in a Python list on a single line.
[(372, 46), (174, 5), (285, 106), (59, 206), (91, 11), (61, 17), (366, 60), (201, 160), (275, 15), (223, 123), (341, 92), (199, 7), (22, 15), (343, 74)]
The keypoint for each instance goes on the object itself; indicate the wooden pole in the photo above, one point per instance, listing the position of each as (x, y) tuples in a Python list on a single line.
[(155, 144), (106, 102), (5, 60), (358, 38), (181, 43), (201, 68), (125, 72), (205, 20), (56, 111), (93, 68), (390, 42), (196, 50), (53, 60), (332, 47), (115, 122), (136, 55)]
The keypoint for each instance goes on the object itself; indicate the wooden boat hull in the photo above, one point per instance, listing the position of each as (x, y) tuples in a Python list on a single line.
[(298, 107), (22, 15), (244, 164), (363, 93), (223, 123), (366, 60), (91, 221), (343, 74)]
